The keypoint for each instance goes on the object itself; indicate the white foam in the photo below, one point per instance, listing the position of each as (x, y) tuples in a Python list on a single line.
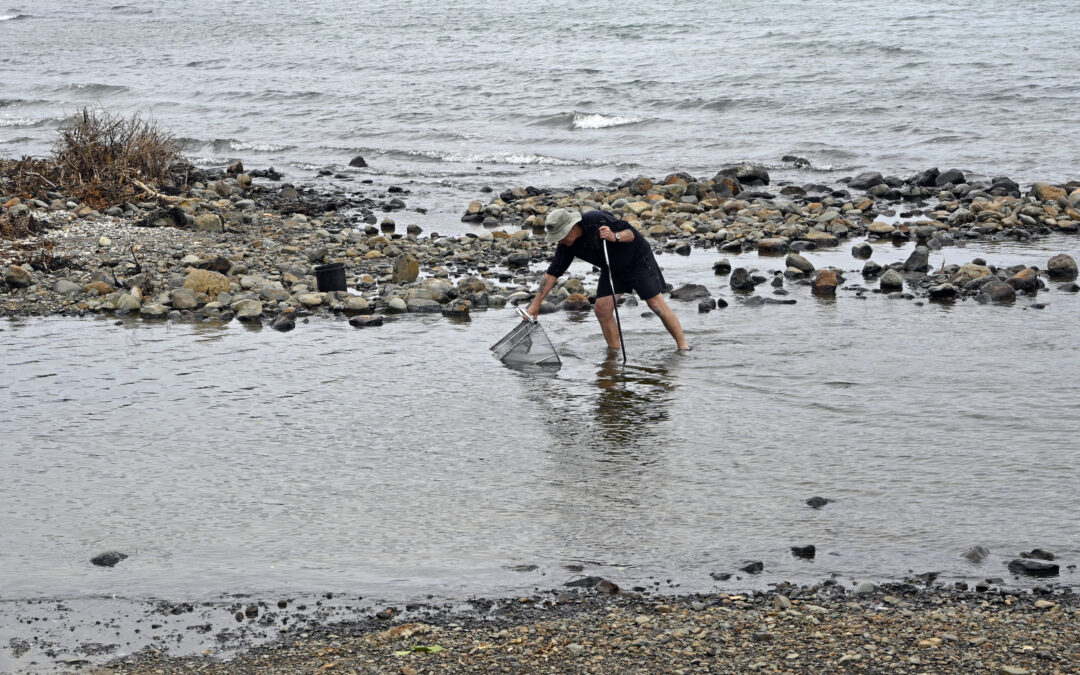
[(490, 158), (600, 121), (257, 147), (18, 122)]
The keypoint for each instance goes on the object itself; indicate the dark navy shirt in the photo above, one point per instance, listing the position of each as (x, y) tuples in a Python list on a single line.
[(625, 256)]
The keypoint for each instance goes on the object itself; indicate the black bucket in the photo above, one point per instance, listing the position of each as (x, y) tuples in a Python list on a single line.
[(330, 277)]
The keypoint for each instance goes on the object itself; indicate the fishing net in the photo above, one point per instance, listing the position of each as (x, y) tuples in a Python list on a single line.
[(527, 345)]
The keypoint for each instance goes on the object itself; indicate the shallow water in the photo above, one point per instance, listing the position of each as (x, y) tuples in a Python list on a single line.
[(404, 460)]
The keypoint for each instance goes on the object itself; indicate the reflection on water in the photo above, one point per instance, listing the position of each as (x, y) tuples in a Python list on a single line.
[(230, 459)]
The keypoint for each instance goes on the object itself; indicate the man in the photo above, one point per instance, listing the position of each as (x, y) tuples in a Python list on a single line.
[(633, 267)]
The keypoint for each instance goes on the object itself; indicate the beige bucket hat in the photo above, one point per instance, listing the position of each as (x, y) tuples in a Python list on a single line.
[(558, 223)]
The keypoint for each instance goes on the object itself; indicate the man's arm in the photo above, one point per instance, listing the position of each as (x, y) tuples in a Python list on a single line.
[(546, 285), (625, 235)]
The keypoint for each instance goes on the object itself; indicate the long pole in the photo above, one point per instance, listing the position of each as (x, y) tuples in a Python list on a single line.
[(614, 301)]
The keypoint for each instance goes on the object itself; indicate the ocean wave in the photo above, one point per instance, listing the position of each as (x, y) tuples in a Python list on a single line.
[(91, 88), (22, 122), (586, 120), (14, 17), (130, 9), (601, 121), (482, 158), (18, 140), (231, 144)]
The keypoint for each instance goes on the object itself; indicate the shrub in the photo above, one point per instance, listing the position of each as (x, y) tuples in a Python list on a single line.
[(99, 155)]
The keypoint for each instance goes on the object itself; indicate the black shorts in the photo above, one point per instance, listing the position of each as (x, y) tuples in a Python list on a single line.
[(645, 279)]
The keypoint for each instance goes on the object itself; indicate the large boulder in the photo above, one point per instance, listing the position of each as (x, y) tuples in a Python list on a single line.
[(205, 281), (772, 246), (825, 283), (866, 180), (969, 272), (1026, 280), (996, 291), (17, 277), (406, 269), (919, 260), (1047, 193), (248, 310), (800, 263), (892, 281), (740, 280), (1061, 267), (690, 292), (747, 174), (183, 298)]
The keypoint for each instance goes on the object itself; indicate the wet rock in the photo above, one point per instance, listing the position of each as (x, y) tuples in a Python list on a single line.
[(1038, 554), (825, 283), (866, 180), (892, 281), (249, 311), (996, 291), (1026, 280), (753, 567), (819, 238), (458, 308), (817, 502), (1033, 568), (584, 582), (155, 311), (706, 306), (976, 554), (740, 280), (1047, 193), (108, 559), (772, 246), (800, 263), (607, 587), (806, 552), (406, 269), (942, 292), (1070, 288), (1061, 267), (953, 176), (754, 301), (747, 174), (871, 269), (576, 302), (183, 298), (366, 321), (358, 162), (285, 321), (919, 260), (722, 266), (926, 178), (862, 250), (690, 292), (720, 576)]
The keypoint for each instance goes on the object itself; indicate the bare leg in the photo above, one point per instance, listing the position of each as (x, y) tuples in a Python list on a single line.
[(667, 315), (605, 314)]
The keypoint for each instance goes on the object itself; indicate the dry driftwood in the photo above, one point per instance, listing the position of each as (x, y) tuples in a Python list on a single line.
[(157, 195)]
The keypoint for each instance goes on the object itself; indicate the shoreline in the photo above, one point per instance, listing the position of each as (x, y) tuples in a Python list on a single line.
[(234, 249), (899, 626)]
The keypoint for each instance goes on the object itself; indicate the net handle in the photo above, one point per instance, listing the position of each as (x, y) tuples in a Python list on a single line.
[(525, 316)]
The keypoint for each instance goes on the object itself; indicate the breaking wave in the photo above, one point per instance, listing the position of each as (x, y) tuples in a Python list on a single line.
[(586, 120), (14, 17), (231, 144)]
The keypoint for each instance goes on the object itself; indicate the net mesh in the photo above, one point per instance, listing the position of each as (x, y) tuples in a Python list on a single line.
[(527, 344)]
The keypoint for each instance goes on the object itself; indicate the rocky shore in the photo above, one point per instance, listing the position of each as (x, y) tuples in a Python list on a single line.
[(236, 248), (904, 627)]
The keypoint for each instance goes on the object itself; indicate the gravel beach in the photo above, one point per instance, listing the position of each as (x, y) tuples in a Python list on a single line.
[(901, 627)]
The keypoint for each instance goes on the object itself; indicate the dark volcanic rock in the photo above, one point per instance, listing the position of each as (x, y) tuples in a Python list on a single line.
[(817, 502), (1033, 568), (358, 162), (866, 180), (690, 292), (954, 176), (807, 552), (108, 559), (740, 280), (753, 567)]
